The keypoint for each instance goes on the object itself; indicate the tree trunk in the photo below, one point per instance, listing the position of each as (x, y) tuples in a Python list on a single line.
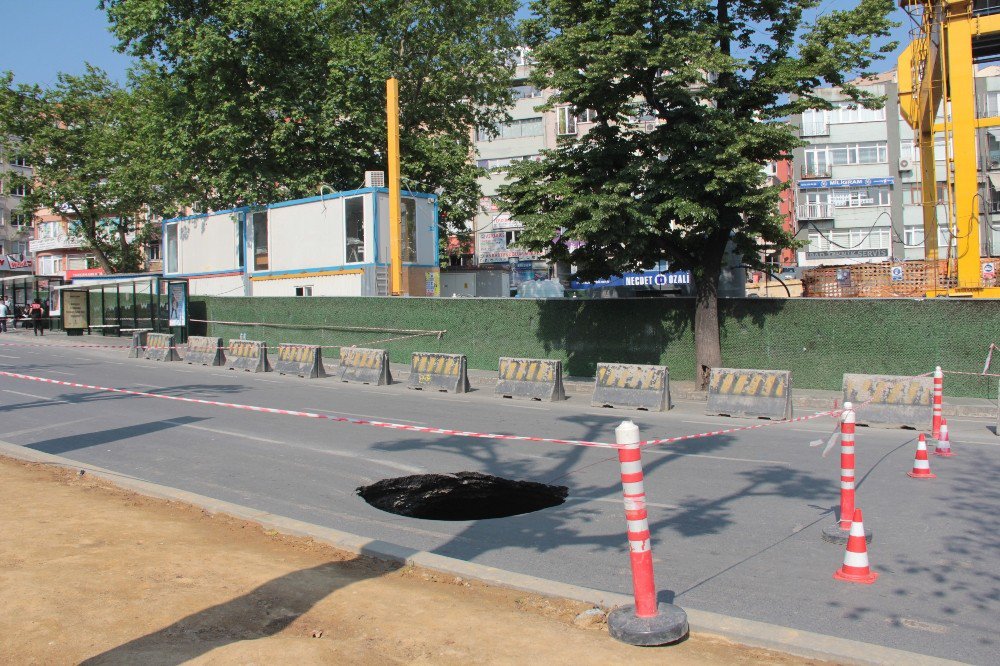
[(707, 348)]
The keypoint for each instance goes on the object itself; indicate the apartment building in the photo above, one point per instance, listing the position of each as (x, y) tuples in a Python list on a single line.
[(857, 182), (15, 226), (57, 252)]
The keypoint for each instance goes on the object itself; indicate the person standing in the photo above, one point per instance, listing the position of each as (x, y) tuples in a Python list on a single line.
[(3, 316), (35, 312), (11, 312)]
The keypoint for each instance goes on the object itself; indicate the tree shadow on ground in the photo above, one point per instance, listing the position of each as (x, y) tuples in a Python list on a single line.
[(264, 611), (207, 391)]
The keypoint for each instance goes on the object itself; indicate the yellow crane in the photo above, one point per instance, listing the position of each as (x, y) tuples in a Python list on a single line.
[(937, 95)]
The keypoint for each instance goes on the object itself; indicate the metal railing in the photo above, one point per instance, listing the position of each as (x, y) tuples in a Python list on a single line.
[(816, 211)]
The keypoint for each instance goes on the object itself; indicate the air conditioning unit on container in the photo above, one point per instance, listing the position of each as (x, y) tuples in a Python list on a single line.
[(374, 178), (905, 165)]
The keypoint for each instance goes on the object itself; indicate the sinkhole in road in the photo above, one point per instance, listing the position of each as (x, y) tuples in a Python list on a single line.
[(460, 496)]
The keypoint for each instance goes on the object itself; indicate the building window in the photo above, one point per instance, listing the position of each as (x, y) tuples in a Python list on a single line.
[(850, 112), (354, 229), (816, 162), (515, 129), (526, 92), (565, 120), (19, 220), (408, 223), (815, 122), (19, 247), (304, 291), (260, 256), (48, 230), (152, 252), (170, 244), (587, 116), (20, 191), (19, 161)]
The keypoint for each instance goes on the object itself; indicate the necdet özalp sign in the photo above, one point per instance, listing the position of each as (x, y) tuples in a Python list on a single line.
[(644, 279)]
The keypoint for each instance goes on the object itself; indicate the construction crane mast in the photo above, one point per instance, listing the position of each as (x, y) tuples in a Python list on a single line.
[(937, 95)]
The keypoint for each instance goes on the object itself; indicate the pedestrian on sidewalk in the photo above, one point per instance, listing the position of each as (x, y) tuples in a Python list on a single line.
[(3, 316), (35, 312)]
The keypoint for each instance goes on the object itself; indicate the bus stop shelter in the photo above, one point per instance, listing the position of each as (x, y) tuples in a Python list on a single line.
[(122, 306), (23, 289)]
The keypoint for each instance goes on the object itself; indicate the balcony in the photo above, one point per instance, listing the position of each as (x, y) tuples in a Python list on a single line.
[(815, 128), (57, 243), (810, 171), (816, 211)]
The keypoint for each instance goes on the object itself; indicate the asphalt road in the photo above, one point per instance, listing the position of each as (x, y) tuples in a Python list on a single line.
[(735, 519)]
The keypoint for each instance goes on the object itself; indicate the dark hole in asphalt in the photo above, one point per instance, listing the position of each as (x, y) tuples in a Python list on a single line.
[(460, 496)]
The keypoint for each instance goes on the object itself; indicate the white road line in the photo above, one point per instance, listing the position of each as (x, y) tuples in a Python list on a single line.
[(265, 440), (702, 455), (363, 416), (152, 386), (618, 501), (60, 372), (8, 356), (54, 401), (736, 424), (268, 381), (28, 431)]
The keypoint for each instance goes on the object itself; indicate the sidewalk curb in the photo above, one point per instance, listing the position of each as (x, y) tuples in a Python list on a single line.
[(746, 632)]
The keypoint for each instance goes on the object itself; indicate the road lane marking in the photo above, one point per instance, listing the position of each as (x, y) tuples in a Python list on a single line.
[(363, 416), (702, 455), (265, 440), (60, 372), (28, 431), (618, 501), (54, 401), (8, 356)]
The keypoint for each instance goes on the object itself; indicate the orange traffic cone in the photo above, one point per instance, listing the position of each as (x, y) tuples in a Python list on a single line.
[(943, 447), (855, 569), (921, 468)]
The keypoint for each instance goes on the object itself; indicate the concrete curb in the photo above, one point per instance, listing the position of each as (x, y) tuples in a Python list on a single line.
[(746, 632)]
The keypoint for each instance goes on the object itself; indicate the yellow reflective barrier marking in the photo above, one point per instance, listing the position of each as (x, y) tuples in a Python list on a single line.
[(727, 383), (741, 381)]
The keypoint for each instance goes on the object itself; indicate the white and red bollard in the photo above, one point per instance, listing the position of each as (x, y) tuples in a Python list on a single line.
[(645, 622), (938, 401), (840, 531)]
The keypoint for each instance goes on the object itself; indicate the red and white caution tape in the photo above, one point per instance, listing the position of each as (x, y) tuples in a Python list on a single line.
[(408, 428)]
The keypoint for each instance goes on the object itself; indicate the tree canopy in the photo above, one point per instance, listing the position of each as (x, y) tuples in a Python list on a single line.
[(262, 100), (92, 150), (716, 79)]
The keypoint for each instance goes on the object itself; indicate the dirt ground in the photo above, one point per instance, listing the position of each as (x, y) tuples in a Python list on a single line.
[(93, 573)]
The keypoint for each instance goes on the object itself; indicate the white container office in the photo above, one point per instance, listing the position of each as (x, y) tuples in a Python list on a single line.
[(331, 245)]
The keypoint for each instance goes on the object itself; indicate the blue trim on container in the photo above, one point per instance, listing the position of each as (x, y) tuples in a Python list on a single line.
[(375, 225), (307, 271), (213, 213), (437, 234), (226, 272)]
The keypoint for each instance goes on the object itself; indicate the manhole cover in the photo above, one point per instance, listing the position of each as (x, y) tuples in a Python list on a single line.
[(460, 496)]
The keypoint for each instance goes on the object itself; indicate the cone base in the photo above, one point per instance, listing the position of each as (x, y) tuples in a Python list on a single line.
[(944, 454), (864, 579), (669, 625), (921, 475), (834, 534)]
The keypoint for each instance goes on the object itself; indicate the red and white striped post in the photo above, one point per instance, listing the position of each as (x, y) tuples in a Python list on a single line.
[(938, 400), (840, 531), (847, 427), (646, 622)]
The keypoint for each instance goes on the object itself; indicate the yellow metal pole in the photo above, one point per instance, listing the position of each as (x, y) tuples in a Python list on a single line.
[(963, 117), (395, 227)]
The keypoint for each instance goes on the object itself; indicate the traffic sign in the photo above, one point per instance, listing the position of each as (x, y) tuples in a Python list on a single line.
[(896, 273)]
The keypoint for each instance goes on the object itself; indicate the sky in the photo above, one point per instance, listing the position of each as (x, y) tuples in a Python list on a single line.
[(45, 37)]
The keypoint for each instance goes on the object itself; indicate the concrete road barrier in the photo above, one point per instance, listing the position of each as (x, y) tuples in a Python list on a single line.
[(137, 348), (530, 378), (891, 400), (249, 355), (365, 366), (203, 350), (443, 372), (302, 360), (632, 386), (750, 393), (161, 347)]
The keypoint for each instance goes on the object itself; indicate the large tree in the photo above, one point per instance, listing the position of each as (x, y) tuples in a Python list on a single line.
[(91, 146), (263, 100), (717, 79)]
